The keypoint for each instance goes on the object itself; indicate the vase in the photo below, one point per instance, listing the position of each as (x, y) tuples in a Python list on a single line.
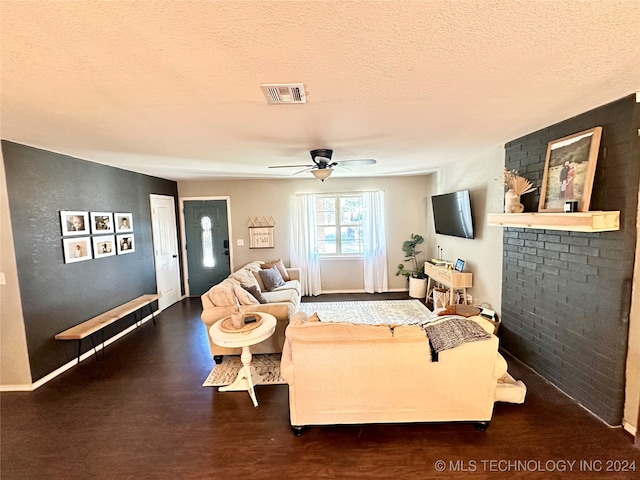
[(517, 208), (417, 287), (511, 199), (237, 319)]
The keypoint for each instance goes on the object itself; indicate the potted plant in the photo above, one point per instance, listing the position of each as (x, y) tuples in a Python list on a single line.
[(417, 277)]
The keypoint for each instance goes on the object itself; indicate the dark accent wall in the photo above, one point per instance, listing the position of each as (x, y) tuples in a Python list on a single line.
[(55, 295), (566, 295)]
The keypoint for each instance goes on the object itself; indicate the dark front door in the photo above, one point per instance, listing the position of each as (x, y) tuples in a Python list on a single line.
[(207, 237)]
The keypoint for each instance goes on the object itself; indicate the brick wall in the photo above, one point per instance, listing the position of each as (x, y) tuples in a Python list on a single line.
[(566, 295)]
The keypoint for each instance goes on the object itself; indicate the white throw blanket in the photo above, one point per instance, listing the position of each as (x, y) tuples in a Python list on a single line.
[(378, 312)]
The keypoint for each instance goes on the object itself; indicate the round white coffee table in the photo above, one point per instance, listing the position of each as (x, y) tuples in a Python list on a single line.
[(247, 376)]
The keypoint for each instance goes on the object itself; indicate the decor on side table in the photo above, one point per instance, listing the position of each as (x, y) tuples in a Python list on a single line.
[(417, 277), (516, 186), (569, 170)]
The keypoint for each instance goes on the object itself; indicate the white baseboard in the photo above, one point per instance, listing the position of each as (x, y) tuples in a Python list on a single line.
[(30, 387), (360, 290), (27, 387), (629, 428)]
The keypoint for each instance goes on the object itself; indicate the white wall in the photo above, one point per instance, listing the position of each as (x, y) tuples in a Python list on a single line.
[(14, 359), (406, 209), (483, 176), (632, 388)]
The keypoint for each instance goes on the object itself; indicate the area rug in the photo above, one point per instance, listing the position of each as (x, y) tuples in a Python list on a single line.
[(267, 365), (388, 312)]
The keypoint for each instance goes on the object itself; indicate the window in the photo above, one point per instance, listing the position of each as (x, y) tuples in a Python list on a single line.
[(207, 243), (339, 220)]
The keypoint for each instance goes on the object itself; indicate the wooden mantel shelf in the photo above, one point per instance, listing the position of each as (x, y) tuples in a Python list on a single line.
[(576, 222)]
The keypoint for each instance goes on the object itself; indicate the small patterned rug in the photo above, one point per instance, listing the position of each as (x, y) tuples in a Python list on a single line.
[(387, 312), (267, 365)]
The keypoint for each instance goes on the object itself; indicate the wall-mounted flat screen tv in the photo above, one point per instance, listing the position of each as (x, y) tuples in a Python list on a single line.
[(452, 214)]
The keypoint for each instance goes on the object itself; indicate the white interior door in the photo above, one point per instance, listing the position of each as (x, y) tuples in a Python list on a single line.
[(165, 249)]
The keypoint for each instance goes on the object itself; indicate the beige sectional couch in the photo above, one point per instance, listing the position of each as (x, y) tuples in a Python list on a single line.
[(222, 299), (342, 373)]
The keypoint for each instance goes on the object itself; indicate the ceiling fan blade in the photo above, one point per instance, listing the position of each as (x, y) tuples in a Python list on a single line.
[(362, 161), (305, 170), (290, 166)]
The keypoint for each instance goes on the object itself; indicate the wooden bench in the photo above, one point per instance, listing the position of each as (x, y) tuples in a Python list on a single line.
[(98, 323)]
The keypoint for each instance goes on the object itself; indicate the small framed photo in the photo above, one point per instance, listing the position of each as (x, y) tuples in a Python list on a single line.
[(261, 237), (124, 222), (76, 249), (459, 266), (74, 222), (101, 222), (104, 246), (125, 244)]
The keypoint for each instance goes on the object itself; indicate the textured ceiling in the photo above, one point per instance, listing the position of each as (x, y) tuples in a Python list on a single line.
[(172, 88)]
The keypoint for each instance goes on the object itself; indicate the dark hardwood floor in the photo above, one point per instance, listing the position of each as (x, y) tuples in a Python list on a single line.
[(141, 412)]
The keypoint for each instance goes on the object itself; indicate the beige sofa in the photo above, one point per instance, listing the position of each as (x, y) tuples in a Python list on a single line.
[(341, 373), (221, 300)]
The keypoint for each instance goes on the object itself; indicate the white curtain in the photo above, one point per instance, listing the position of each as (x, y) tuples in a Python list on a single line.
[(375, 243), (304, 251)]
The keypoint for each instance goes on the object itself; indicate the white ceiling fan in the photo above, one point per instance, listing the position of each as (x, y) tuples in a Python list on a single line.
[(322, 166)]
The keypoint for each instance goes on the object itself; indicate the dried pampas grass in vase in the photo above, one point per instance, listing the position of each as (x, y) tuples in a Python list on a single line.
[(516, 186)]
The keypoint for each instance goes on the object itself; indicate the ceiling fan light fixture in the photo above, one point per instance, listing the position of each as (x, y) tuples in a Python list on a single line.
[(322, 174)]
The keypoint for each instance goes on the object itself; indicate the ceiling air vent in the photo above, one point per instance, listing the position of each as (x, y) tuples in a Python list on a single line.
[(284, 93)]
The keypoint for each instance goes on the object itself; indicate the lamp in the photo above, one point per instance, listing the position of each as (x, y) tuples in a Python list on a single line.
[(322, 173)]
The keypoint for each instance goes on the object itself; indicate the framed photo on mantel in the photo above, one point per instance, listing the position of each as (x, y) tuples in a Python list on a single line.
[(569, 170)]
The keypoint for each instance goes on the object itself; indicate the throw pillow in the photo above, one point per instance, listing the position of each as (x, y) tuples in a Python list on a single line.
[(298, 317), (271, 278), (256, 275), (244, 296), (280, 266), (314, 318), (257, 294), (244, 277), (222, 295)]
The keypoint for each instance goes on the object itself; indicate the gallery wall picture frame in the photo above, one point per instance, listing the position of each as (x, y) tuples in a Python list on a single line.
[(104, 246), (569, 169), (74, 222), (261, 237), (123, 222), (125, 244), (77, 249), (101, 222)]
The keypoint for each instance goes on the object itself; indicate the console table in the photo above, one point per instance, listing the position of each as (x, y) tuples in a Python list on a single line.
[(450, 278)]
